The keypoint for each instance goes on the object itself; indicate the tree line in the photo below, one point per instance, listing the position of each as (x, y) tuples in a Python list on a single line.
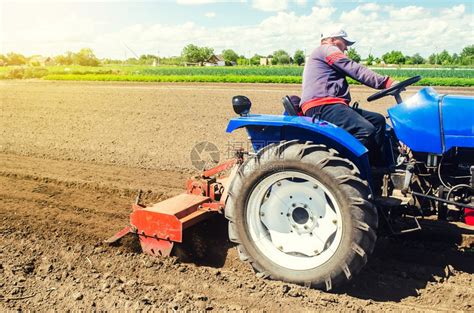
[(198, 55)]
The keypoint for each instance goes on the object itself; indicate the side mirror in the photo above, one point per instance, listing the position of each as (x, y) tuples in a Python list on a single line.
[(241, 105)]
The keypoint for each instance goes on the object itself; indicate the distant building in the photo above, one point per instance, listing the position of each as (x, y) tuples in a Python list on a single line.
[(266, 61), (215, 60)]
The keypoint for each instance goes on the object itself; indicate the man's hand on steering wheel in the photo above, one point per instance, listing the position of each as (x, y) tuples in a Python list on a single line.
[(394, 89)]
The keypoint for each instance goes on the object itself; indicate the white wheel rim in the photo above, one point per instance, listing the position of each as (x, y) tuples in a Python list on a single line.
[(294, 220)]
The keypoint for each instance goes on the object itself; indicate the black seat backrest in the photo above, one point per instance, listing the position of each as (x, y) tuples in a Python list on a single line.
[(291, 108)]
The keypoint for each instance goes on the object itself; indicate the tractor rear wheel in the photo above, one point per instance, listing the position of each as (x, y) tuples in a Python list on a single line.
[(299, 213)]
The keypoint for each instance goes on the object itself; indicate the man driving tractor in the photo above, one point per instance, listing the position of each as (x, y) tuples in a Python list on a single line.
[(326, 92)]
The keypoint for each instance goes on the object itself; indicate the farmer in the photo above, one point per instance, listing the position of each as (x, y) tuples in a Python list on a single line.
[(326, 92)]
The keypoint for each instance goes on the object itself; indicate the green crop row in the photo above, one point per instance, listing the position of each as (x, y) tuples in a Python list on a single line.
[(179, 78), (294, 71), (437, 81), (15, 72)]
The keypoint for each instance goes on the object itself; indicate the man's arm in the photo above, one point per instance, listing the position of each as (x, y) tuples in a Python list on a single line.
[(339, 61)]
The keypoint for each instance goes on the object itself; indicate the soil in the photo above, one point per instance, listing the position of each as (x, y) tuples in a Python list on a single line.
[(72, 157)]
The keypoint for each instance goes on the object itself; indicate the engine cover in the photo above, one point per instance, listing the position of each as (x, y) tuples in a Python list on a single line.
[(433, 123)]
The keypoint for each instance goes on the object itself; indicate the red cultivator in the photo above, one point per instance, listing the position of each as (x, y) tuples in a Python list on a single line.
[(162, 224)]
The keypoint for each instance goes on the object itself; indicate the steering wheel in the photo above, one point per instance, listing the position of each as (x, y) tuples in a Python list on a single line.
[(394, 90)]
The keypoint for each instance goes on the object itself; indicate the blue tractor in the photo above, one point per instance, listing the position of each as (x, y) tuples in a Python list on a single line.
[(305, 206)]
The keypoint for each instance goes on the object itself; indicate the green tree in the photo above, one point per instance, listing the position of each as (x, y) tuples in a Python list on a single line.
[(177, 60), (445, 58), (281, 57), (133, 61), (433, 59), (242, 60), (255, 60), (467, 55), (3, 60), (393, 57), (370, 59), (417, 59), (299, 57), (64, 59), (147, 59), (85, 57), (353, 55), (230, 56), (15, 59), (456, 58), (194, 54)]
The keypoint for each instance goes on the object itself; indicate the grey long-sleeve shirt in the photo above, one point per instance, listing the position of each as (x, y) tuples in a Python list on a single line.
[(324, 77)]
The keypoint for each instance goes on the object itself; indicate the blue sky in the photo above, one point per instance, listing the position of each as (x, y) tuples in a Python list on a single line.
[(252, 26)]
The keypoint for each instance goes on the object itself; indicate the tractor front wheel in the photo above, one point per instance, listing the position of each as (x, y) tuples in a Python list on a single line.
[(299, 213)]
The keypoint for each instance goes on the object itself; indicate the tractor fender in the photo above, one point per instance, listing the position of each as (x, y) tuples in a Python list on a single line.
[(266, 129)]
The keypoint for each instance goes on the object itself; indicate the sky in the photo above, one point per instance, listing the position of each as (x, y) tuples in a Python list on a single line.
[(120, 29)]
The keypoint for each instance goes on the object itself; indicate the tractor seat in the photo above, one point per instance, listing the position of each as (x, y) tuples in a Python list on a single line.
[(292, 105)]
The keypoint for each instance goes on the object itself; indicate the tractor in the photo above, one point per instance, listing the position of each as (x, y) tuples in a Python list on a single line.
[(306, 207)]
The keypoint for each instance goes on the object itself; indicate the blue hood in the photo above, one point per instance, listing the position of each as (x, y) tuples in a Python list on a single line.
[(433, 123)]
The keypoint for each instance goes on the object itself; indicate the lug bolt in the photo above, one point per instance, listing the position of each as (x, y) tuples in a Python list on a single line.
[(278, 184), (293, 204), (334, 221), (315, 186), (262, 214), (305, 206), (305, 227)]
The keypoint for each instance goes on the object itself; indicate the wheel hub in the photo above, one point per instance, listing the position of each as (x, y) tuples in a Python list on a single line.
[(299, 217)]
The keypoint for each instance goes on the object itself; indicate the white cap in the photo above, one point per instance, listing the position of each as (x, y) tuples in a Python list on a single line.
[(340, 33)]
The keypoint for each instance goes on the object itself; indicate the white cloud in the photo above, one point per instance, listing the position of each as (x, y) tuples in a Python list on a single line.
[(301, 2), (270, 5), (409, 13), (376, 28), (370, 7), (455, 11), (197, 2), (210, 14)]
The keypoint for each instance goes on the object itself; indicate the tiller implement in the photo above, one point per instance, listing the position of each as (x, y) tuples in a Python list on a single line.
[(162, 224)]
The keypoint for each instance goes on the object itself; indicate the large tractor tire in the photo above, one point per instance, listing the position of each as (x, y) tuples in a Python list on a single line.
[(299, 213)]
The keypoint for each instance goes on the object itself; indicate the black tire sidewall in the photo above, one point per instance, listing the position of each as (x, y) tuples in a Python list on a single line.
[(344, 251)]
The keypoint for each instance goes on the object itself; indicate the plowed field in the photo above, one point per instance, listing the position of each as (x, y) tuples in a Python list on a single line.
[(73, 155)]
